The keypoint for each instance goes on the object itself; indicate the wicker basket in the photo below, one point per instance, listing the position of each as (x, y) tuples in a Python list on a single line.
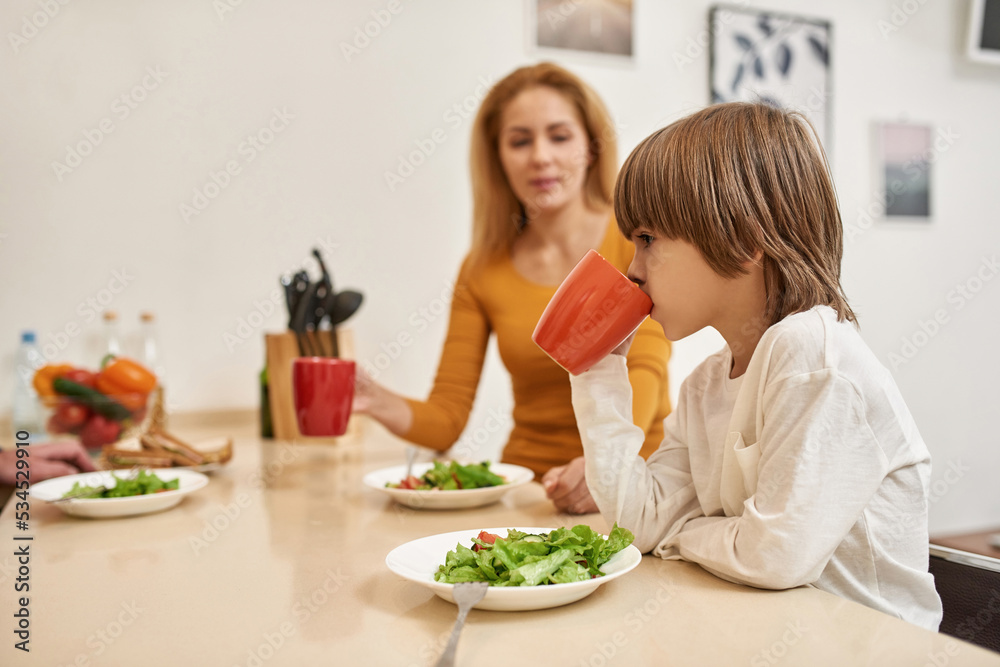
[(155, 418)]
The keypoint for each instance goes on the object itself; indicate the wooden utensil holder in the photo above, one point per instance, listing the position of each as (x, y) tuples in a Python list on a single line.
[(281, 349)]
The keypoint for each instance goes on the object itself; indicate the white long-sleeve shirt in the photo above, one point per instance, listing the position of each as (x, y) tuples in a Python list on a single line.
[(806, 470)]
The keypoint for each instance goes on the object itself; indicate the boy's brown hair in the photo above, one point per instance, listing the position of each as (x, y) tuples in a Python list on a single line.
[(736, 179)]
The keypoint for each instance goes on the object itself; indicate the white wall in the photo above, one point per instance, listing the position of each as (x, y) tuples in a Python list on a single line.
[(340, 125)]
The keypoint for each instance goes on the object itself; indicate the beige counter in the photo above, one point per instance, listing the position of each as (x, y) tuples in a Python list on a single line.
[(280, 561)]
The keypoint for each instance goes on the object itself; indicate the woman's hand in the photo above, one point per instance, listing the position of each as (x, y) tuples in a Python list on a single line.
[(385, 407), (45, 461), (566, 487)]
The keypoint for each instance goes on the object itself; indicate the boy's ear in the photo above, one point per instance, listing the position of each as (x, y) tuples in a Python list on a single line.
[(757, 259)]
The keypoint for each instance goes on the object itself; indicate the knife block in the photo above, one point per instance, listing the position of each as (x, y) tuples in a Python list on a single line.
[(281, 349)]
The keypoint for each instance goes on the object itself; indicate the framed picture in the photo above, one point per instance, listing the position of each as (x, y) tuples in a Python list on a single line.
[(773, 58), (593, 26), (904, 168), (984, 32)]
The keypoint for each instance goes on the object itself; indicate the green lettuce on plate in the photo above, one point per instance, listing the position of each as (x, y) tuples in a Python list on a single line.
[(144, 483), (560, 556), (452, 477)]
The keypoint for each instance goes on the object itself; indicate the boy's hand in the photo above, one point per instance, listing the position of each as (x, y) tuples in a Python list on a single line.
[(624, 347), (566, 487)]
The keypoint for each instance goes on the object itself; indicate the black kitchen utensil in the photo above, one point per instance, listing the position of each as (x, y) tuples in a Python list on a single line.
[(345, 305), (301, 317), (323, 291), (291, 296), (315, 313), (328, 305), (300, 283)]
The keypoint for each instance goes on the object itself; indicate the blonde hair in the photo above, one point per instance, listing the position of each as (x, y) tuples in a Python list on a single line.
[(737, 179), (496, 213)]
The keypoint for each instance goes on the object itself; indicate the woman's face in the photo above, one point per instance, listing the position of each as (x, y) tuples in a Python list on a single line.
[(544, 150)]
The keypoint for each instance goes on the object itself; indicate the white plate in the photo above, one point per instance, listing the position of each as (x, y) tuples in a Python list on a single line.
[(103, 508), (437, 499), (419, 560)]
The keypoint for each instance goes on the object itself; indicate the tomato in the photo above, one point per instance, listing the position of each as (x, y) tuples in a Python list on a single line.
[(81, 376), (483, 536), (410, 483), (71, 415), (55, 426), (98, 431)]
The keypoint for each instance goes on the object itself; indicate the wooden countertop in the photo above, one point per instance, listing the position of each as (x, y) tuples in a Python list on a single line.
[(280, 561)]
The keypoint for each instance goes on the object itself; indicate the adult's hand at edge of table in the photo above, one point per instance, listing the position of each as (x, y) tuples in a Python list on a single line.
[(45, 461)]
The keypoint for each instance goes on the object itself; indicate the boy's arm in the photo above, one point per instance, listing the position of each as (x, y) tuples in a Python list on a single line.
[(820, 464), (652, 499), (647, 373)]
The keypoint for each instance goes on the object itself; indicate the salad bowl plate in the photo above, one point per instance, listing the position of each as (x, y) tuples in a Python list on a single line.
[(104, 508), (438, 499), (418, 560)]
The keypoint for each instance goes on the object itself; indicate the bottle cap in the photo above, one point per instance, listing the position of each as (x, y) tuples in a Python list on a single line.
[(27, 336), (110, 316), (146, 316)]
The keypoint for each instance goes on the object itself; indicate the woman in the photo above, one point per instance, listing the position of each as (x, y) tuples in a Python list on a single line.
[(543, 163)]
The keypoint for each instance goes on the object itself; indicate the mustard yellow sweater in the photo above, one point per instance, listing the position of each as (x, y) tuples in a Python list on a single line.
[(495, 298)]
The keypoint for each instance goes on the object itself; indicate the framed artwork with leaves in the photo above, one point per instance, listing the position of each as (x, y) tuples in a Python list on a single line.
[(773, 58)]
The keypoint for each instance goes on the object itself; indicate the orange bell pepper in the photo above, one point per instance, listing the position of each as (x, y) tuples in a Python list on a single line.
[(42, 381), (127, 381)]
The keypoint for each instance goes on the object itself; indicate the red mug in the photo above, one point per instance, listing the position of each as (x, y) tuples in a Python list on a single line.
[(324, 392), (594, 309)]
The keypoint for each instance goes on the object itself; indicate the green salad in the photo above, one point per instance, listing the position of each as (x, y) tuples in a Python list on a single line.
[(561, 556), (144, 483), (451, 477)]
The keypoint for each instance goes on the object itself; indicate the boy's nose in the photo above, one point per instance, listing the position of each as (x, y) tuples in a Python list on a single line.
[(633, 274)]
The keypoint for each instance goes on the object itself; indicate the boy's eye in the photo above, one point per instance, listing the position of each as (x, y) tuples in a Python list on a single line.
[(645, 239)]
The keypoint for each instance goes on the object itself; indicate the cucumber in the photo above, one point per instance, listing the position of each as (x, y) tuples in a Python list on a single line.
[(532, 538), (93, 399)]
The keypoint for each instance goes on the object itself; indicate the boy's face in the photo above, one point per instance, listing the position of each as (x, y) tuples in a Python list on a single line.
[(687, 294)]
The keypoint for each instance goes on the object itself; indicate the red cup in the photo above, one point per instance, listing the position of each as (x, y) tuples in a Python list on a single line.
[(595, 308), (324, 391)]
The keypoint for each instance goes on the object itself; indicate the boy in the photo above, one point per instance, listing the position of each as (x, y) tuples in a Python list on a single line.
[(791, 455)]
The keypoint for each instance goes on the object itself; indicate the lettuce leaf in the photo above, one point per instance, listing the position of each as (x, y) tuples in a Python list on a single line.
[(561, 556)]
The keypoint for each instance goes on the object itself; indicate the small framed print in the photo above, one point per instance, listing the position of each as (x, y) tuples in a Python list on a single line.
[(904, 167), (602, 27), (778, 59)]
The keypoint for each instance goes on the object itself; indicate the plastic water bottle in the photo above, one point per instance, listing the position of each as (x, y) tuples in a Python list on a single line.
[(26, 410)]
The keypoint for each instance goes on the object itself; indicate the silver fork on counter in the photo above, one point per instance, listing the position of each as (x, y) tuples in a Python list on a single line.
[(466, 595)]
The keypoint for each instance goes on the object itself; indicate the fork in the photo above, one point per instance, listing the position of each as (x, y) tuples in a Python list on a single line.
[(465, 595), (411, 455)]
